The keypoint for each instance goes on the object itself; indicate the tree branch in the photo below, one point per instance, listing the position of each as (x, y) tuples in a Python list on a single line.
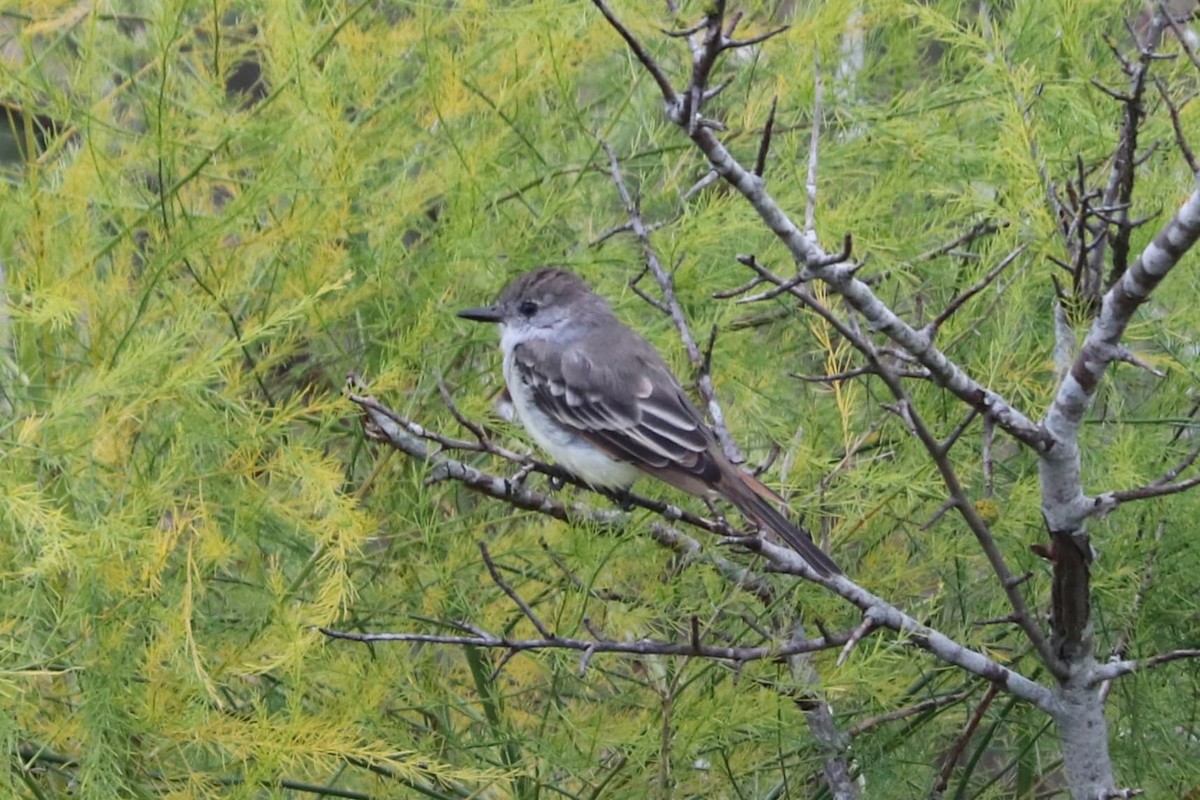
[(644, 647), (955, 304), (959, 499), (512, 594), (840, 277), (1063, 500), (672, 307), (647, 61), (382, 424), (1116, 669), (923, 707)]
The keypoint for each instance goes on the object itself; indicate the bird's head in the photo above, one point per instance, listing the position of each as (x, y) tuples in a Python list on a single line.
[(542, 302)]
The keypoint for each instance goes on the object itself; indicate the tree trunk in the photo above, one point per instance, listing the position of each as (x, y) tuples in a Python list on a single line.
[(1083, 732)]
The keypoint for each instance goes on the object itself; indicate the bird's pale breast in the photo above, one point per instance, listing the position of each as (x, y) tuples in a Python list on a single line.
[(567, 448)]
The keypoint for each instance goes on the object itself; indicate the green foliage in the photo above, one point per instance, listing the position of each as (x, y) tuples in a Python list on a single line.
[(189, 271)]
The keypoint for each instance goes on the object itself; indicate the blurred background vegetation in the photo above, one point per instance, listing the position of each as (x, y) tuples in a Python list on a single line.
[(212, 212)]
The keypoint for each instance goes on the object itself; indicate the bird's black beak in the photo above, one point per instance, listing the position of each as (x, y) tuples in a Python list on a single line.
[(482, 314)]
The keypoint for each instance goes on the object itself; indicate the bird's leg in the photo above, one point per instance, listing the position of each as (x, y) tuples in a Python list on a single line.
[(715, 511), (619, 496), (518, 478)]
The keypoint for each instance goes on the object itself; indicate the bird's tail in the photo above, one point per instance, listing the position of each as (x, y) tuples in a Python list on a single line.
[(743, 491)]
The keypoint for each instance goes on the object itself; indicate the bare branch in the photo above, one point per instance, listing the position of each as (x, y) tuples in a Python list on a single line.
[(644, 647), (764, 146), (800, 277), (977, 231), (923, 707), (958, 431), (672, 307), (864, 628), (1111, 500), (814, 142), (970, 515), (951, 758), (475, 428), (1175, 471), (1116, 669), (709, 179), (640, 53), (640, 292), (844, 375), (887, 616), (987, 466), (725, 294), (751, 321), (382, 424), (704, 58), (1119, 190), (809, 254), (616, 230), (709, 94), (1180, 36), (972, 290), (1127, 356), (1180, 139), (730, 44), (1062, 492), (512, 593), (859, 295), (683, 33)]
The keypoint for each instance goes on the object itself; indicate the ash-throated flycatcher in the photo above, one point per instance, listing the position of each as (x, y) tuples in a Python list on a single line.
[(600, 399)]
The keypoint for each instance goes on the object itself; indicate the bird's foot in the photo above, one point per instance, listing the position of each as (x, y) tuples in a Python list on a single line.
[(517, 479), (621, 497)]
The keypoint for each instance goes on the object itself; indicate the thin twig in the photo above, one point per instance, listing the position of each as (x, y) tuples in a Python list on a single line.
[(1180, 138), (640, 292), (960, 743), (814, 145), (867, 625), (1145, 492), (512, 593), (764, 145), (985, 455), (974, 289), (726, 294), (1107, 672), (640, 53), (644, 647), (674, 309), (1180, 36), (976, 231), (923, 707), (959, 429), (730, 44)]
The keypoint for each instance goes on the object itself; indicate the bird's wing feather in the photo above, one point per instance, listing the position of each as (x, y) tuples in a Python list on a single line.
[(629, 406), (633, 409)]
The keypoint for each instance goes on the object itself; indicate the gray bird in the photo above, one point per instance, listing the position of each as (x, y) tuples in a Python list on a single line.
[(602, 402)]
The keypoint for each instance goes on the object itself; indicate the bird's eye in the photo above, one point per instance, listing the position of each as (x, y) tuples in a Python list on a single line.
[(527, 308)]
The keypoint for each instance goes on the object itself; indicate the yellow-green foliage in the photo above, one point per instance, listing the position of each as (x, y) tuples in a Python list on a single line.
[(188, 273)]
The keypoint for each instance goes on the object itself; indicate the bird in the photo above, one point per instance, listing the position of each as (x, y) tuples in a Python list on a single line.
[(602, 402)]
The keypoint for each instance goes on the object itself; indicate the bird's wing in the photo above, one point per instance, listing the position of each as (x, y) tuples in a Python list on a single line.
[(628, 404)]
